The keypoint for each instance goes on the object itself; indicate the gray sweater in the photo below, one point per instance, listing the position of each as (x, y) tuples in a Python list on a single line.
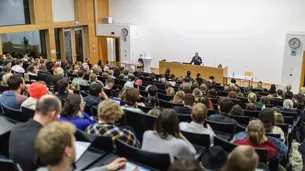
[(103, 168), (171, 145)]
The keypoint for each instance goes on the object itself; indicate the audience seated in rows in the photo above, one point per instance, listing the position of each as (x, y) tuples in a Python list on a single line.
[(55, 146), (189, 101), (96, 93), (73, 111), (108, 113), (132, 97), (206, 101), (179, 97), (36, 90), (250, 106), (199, 115), (13, 98), (237, 111), (18, 66), (79, 79), (224, 107), (252, 98), (93, 80), (168, 137), (23, 135)]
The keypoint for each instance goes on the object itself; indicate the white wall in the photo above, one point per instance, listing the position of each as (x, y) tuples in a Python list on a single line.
[(246, 35), (63, 10)]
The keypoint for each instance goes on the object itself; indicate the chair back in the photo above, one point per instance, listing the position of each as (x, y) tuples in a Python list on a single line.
[(4, 88), (165, 97), (284, 127), (222, 93), (157, 161), (110, 93), (143, 93), (251, 113), (263, 154), (88, 110), (6, 164), (223, 127), (166, 104), (84, 87), (288, 120), (212, 112), (278, 136), (198, 139), (27, 113), (139, 122), (14, 114), (243, 120), (145, 108), (293, 114), (184, 117), (103, 143), (226, 145)]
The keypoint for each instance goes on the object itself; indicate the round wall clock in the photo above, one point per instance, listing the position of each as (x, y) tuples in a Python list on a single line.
[(294, 43)]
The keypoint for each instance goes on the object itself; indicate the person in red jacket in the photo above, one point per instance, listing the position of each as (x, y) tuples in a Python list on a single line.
[(257, 139)]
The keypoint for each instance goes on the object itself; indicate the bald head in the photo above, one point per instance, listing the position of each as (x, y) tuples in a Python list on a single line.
[(47, 104), (242, 158)]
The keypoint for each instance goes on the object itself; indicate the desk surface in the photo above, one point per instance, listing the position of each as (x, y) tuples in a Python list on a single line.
[(88, 158)]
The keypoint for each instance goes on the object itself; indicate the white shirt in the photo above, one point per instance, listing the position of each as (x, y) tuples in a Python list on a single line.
[(18, 68), (197, 128)]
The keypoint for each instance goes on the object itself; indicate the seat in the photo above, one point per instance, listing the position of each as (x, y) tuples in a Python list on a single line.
[(212, 112), (226, 145), (84, 87), (27, 113), (198, 139), (243, 120), (157, 161), (184, 117), (164, 97), (143, 93), (139, 122), (278, 136), (293, 114), (84, 93), (263, 154), (14, 114), (10, 165), (145, 108), (224, 130), (240, 128), (289, 120), (251, 113), (103, 143), (4, 88), (222, 93), (88, 110), (161, 91), (284, 127), (110, 93), (166, 104)]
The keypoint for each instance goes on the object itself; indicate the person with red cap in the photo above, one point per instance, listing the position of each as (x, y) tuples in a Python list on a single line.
[(36, 90)]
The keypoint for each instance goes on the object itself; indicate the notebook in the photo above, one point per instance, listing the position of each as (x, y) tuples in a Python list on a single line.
[(80, 148)]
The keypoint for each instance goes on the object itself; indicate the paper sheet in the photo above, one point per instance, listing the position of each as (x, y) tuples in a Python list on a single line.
[(80, 148), (132, 167)]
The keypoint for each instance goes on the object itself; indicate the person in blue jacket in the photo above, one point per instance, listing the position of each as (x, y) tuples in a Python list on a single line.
[(197, 60), (73, 112)]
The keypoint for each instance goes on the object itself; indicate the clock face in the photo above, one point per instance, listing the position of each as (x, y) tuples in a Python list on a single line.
[(294, 43), (124, 32)]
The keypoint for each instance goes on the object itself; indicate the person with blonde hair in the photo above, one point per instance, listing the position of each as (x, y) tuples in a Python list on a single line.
[(252, 98), (242, 158), (197, 94), (76, 69), (170, 91), (288, 92), (179, 97), (256, 138), (288, 104), (58, 71), (93, 79), (199, 115), (108, 113), (5, 77), (55, 147)]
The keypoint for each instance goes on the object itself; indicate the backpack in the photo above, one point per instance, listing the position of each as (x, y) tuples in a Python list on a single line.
[(295, 157)]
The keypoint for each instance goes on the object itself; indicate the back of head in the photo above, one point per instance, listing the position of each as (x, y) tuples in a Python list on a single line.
[(278, 118), (31, 68), (197, 93), (264, 100), (80, 73), (132, 96), (188, 73), (225, 105), (62, 85), (92, 77), (15, 81), (242, 158), (52, 141), (71, 106), (189, 99), (185, 164), (109, 81), (95, 89), (47, 104), (179, 97), (37, 90), (255, 131), (199, 113), (109, 111), (267, 118), (251, 106), (280, 92), (168, 124), (212, 93), (170, 91), (59, 71), (288, 87), (153, 90), (233, 80), (203, 87), (237, 110), (288, 104), (154, 112), (252, 97), (232, 95)]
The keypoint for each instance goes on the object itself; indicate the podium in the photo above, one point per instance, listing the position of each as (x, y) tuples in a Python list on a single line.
[(147, 62), (179, 69)]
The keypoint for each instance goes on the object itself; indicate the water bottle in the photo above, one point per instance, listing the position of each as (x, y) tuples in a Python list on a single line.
[(233, 75)]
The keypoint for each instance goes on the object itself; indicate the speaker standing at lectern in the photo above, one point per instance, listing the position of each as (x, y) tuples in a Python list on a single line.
[(196, 59)]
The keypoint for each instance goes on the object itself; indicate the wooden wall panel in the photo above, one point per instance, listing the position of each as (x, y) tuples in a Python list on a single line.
[(302, 72), (103, 49), (50, 38), (103, 10), (42, 11), (1, 52)]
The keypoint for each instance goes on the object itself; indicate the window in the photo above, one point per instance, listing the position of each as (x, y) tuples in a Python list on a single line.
[(14, 12), (31, 42)]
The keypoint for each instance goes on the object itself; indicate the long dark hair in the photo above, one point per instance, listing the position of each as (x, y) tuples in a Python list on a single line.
[(71, 106), (168, 124)]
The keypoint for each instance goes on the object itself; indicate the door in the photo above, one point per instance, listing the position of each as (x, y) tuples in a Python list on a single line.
[(79, 50), (68, 45)]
